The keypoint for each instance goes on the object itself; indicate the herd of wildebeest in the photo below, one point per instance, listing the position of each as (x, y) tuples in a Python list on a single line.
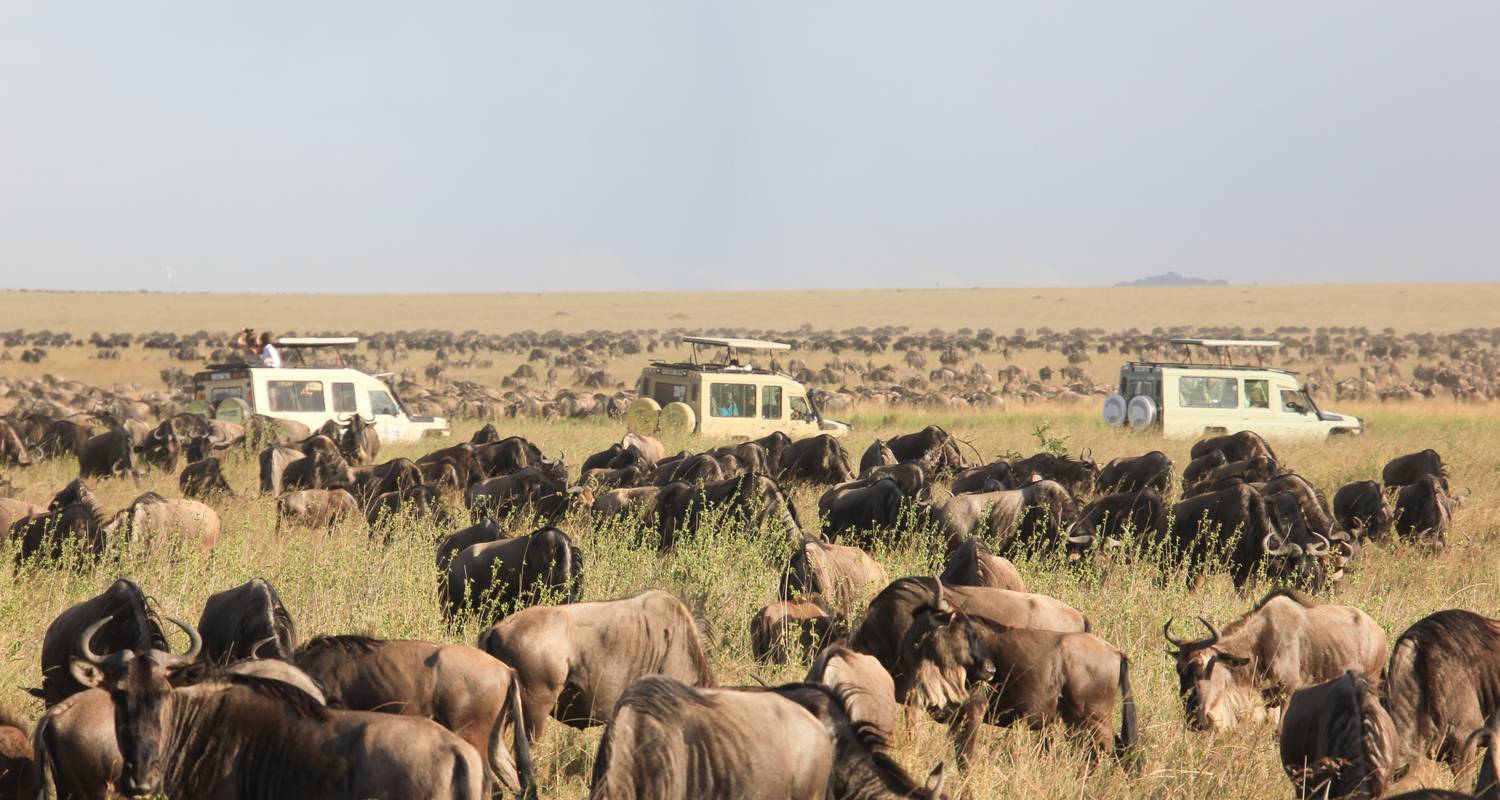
[(252, 710)]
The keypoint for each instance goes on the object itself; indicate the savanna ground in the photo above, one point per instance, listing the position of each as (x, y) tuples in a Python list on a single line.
[(346, 582)]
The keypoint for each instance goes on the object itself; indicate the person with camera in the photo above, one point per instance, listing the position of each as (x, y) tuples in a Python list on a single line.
[(259, 349)]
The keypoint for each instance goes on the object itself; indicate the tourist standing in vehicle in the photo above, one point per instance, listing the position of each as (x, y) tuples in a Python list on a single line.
[(269, 355)]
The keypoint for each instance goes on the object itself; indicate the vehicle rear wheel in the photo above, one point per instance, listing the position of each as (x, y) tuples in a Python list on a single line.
[(643, 416), (678, 419)]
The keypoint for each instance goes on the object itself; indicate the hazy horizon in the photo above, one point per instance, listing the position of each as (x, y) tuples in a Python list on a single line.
[(483, 147)]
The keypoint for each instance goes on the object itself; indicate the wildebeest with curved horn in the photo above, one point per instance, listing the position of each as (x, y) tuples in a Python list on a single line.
[(1424, 512), (247, 621), (73, 516), (130, 624), (1139, 514), (204, 479), (1361, 507)]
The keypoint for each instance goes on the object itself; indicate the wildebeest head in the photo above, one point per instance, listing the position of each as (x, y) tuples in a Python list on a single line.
[(1206, 677), (943, 655), (139, 683), (161, 447)]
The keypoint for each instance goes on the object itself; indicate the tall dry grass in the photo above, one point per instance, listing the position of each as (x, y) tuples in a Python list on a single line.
[(345, 581)]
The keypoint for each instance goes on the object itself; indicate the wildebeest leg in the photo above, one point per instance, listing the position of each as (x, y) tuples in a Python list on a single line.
[(964, 729), (539, 694)]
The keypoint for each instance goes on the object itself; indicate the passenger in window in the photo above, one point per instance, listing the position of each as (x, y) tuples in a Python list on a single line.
[(1256, 395)]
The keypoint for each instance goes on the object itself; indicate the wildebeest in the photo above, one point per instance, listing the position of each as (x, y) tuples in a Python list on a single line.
[(107, 455), (1005, 675), (1251, 470), (932, 443), (858, 511), (637, 502), (1077, 475), (1285, 642), (839, 573), (1442, 684), (491, 576), (1361, 507), (1315, 509), (878, 454), (274, 461), (1194, 472), (157, 520), (575, 661), (1337, 740), (359, 441), (384, 510), (755, 499), (315, 508), (1150, 471), (1412, 467), (972, 564), (460, 688), (16, 760), (268, 739), (868, 691), (1233, 524), (1424, 512), (13, 448), (130, 624), (982, 478), (247, 621), (1140, 514), (1235, 446), (891, 612), (392, 476), (816, 459), (793, 627), (511, 454), (1033, 516), (543, 488), (74, 519), (64, 437), (203, 479)]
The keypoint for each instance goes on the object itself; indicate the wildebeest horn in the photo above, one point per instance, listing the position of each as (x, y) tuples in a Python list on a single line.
[(88, 636), (1184, 645), (1286, 548), (195, 639), (255, 648), (937, 596), (1321, 548), (1081, 538)]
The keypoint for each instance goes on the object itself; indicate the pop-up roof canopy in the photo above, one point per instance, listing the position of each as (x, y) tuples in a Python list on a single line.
[(1226, 342), (316, 341), (736, 344)]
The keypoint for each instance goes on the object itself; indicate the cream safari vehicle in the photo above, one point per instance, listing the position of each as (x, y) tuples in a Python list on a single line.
[(310, 391), (726, 396), (1192, 399)]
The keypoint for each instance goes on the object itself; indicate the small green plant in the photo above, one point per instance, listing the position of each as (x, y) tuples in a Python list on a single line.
[(1057, 445)]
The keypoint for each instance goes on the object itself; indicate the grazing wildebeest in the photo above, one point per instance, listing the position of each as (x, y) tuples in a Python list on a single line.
[(460, 688), (1412, 467), (543, 488), (932, 443), (74, 515), (463, 460), (637, 502), (417, 502), (1077, 475), (1284, 643), (268, 738), (869, 692), (840, 574), (817, 459), (754, 498), (444, 475), (858, 511), (359, 441), (508, 455), (914, 478), (891, 612), (487, 531), (491, 576), (1361, 507), (247, 621), (972, 564), (131, 625), (13, 448), (802, 624), (1140, 514), (1235, 446), (1315, 509), (157, 520), (1194, 472), (1251, 470), (1150, 471), (64, 437), (699, 468), (392, 476), (203, 479), (1424, 512), (274, 461), (742, 458), (603, 478), (1005, 675), (616, 456), (878, 454), (1234, 524), (315, 508), (575, 661), (107, 455), (1033, 516), (1442, 684), (1337, 740), (13, 511)]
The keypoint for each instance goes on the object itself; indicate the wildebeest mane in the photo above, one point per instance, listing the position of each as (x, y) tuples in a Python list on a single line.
[(298, 701), (353, 643), (1282, 591)]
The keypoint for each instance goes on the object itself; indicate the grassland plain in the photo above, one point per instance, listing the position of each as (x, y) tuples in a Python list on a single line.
[(343, 581)]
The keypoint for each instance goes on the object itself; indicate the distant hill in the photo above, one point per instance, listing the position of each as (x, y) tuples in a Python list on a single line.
[(1172, 279)]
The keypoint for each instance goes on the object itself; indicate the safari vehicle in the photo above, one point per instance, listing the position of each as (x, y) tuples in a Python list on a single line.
[(725, 396), (1215, 397), (312, 387)]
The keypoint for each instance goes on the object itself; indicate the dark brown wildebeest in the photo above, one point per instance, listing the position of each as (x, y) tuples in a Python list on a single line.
[(1033, 516), (323, 466), (1150, 471), (485, 435), (74, 519), (508, 455), (1005, 675), (878, 454), (384, 511), (392, 476), (315, 508), (816, 459), (460, 688), (1412, 467), (603, 478), (463, 459), (248, 621), (699, 468), (843, 575), (1441, 686), (543, 488), (794, 627), (616, 456), (576, 660), (1337, 740), (204, 479), (890, 615), (1361, 507), (16, 759), (107, 455), (972, 564), (491, 576), (313, 752), (1315, 509), (932, 443), (274, 461), (983, 478), (1235, 446), (914, 478), (868, 691), (1251, 470), (1077, 475), (743, 458), (486, 531), (131, 625), (670, 740), (64, 437), (1233, 524), (359, 441), (1284, 643), (1194, 472), (1424, 512), (856, 512), (755, 499), (1140, 515), (444, 475)]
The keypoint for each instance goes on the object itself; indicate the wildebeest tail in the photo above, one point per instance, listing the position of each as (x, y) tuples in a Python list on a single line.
[(41, 749), (1130, 735), (525, 772)]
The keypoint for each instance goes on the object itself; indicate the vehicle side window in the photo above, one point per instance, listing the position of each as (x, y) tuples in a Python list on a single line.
[(664, 393), (1257, 394), (299, 396), (770, 402), (1194, 391), (381, 403), (800, 409), (344, 398), (1292, 402), (731, 400)]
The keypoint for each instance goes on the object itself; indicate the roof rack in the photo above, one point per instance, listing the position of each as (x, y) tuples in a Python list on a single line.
[(316, 341), (1222, 349), (736, 344)]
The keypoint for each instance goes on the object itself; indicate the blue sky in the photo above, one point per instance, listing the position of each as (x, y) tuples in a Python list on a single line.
[(685, 145)]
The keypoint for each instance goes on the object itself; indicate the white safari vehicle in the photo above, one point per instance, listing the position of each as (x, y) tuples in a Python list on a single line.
[(728, 396), (1192, 399), (311, 387)]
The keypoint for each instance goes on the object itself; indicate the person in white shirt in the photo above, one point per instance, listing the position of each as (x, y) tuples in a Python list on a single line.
[(269, 355)]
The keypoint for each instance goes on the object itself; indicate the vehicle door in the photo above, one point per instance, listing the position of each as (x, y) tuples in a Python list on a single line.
[(390, 422), (1295, 413), (772, 409), (731, 409), (800, 420), (1256, 411), (1206, 402)]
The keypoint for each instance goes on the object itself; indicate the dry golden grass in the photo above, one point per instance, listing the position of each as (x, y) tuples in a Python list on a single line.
[(344, 582)]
